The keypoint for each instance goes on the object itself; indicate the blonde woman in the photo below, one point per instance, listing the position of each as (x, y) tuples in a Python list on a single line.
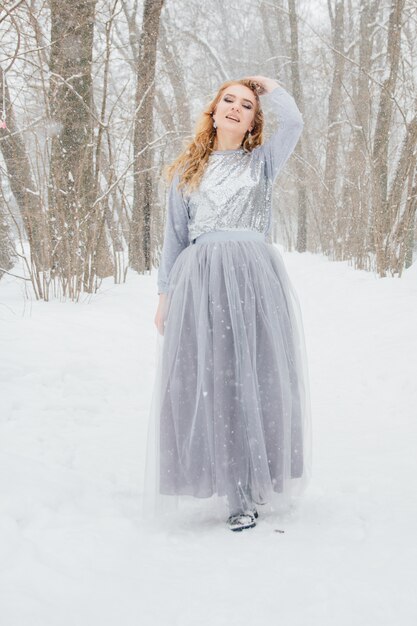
[(230, 418)]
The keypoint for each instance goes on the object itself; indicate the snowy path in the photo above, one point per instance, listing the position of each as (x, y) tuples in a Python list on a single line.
[(75, 390)]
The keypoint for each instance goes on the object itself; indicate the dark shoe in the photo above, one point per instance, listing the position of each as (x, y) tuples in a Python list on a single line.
[(240, 521), (253, 511)]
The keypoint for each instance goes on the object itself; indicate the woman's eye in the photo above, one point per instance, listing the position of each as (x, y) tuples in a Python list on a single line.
[(247, 106)]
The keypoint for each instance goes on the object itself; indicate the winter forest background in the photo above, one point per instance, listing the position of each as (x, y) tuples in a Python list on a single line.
[(96, 97)]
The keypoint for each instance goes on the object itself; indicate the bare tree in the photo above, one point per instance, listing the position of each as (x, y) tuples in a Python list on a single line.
[(356, 204), (22, 183), (380, 204), (75, 221), (143, 188), (332, 166), (299, 97)]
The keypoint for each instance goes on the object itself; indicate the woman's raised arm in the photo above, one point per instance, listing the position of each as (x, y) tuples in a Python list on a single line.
[(279, 147)]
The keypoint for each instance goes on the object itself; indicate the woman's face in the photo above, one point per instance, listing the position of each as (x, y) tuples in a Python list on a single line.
[(235, 111)]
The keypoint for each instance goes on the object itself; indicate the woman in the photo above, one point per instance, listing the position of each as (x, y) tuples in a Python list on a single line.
[(230, 413)]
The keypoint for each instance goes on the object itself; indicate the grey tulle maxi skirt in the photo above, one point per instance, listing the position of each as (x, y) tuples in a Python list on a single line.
[(230, 420)]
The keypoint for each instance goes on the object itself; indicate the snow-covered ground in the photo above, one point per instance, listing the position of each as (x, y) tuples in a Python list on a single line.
[(76, 383)]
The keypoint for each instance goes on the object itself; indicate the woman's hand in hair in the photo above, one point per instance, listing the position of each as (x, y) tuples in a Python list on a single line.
[(264, 84)]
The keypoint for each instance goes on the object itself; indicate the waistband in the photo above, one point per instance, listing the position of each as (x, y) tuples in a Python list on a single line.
[(227, 235)]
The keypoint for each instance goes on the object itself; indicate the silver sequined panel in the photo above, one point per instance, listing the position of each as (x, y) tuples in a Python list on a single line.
[(234, 193)]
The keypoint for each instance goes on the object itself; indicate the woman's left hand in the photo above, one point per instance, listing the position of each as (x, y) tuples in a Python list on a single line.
[(265, 84)]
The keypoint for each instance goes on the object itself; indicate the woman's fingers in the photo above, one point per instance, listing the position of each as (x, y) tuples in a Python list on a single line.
[(260, 81), (159, 319), (159, 323), (265, 84)]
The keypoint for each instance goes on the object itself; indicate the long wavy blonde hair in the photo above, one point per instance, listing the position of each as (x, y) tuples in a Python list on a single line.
[(192, 161)]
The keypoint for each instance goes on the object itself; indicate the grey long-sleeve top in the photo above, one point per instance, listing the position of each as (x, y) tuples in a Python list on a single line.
[(235, 191)]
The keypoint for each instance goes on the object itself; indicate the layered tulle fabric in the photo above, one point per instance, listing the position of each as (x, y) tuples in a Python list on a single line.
[(230, 417)]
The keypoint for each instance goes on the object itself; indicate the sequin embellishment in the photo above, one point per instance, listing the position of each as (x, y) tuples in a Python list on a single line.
[(234, 193)]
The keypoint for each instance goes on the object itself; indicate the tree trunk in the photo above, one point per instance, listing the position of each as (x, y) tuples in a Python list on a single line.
[(74, 221), (355, 194), (401, 220), (297, 91), (22, 184), (334, 128), (381, 222), (140, 227)]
